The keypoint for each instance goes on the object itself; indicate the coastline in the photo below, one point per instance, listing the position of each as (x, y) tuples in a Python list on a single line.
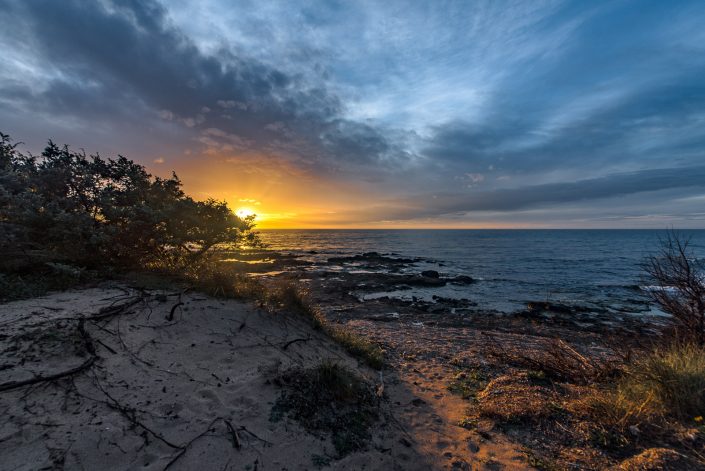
[(176, 371)]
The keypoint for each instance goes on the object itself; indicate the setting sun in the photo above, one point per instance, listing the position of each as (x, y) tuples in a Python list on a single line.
[(244, 212)]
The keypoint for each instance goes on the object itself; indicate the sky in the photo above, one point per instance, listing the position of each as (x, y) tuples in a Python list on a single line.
[(379, 114)]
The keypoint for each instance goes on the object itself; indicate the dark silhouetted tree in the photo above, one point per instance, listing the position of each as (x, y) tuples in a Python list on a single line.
[(65, 206)]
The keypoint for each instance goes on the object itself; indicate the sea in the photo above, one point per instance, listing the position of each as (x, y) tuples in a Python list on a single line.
[(598, 270)]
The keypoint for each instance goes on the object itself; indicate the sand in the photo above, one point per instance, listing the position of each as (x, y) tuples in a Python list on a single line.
[(196, 391)]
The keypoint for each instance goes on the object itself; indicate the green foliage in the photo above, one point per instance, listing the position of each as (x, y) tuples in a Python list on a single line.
[(67, 207), (468, 383)]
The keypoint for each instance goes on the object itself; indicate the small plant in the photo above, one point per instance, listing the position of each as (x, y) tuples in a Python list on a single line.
[(469, 423), (329, 399), (467, 383), (225, 282), (540, 462), (320, 461), (358, 346)]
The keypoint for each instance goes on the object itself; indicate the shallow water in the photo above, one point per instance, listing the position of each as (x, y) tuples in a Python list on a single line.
[(592, 268)]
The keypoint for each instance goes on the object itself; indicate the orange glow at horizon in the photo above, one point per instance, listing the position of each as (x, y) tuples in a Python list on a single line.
[(282, 196)]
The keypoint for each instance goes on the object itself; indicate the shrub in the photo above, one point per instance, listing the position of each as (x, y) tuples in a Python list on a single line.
[(223, 281), (555, 359), (678, 279)]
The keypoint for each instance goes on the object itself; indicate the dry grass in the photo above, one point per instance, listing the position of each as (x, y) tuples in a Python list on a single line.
[(220, 280), (674, 377), (657, 393), (656, 459), (556, 360), (572, 409), (293, 298), (514, 398)]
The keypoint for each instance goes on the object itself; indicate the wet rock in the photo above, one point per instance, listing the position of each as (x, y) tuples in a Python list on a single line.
[(430, 274), (372, 258), (462, 280), (394, 316), (424, 281), (546, 306)]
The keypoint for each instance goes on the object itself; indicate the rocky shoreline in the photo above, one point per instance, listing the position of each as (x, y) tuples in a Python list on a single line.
[(391, 288)]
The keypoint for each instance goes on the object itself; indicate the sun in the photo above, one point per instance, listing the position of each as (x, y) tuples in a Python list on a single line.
[(244, 212)]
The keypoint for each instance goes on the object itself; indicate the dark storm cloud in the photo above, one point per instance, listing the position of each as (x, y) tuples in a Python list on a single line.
[(127, 60), (541, 196)]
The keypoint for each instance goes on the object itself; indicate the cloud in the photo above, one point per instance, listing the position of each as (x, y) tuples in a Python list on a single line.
[(126, 60), (492, 106), (539, 196)]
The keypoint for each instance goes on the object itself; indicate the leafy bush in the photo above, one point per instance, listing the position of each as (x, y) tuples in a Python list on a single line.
[(67, 207)]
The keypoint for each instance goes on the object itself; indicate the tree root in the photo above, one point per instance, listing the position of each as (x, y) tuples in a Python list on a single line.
[(90, 348)]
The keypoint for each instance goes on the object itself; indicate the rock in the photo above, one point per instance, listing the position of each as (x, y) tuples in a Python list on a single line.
[(383, 317), (424, 281), (462, 280), (556, 308), (430, 274), (372, 258)]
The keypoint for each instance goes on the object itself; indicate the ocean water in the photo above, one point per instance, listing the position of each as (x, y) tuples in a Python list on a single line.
[(596, 269)]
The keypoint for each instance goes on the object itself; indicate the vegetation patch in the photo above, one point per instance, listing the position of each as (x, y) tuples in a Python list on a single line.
[(513, 398), (38, 279), (468, 383), (660, 397), (294, 299), (329, 400), (655, 459), (223, 281)]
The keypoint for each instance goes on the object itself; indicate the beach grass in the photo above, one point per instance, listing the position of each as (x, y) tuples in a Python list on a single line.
[(298, 300)]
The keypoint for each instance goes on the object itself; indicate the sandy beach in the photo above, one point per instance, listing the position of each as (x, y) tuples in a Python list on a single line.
[(140, 391)]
